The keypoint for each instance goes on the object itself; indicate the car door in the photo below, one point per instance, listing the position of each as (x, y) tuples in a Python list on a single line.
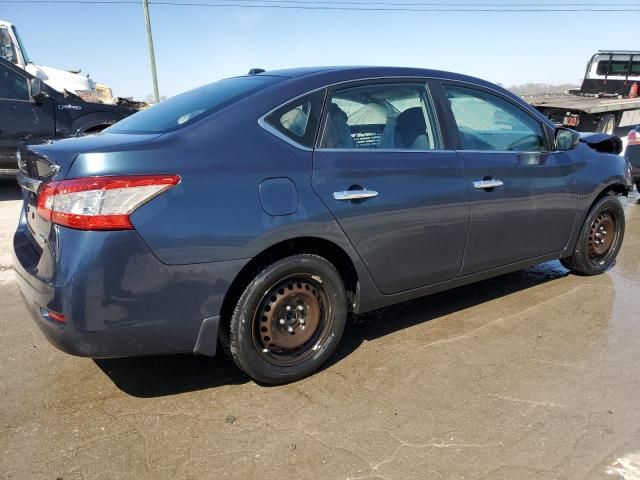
[(522, 194), (382, 169), (22, 120)]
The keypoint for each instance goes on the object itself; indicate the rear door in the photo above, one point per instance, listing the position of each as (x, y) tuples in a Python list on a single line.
[(21, 119), (382, 169), (522, 194)]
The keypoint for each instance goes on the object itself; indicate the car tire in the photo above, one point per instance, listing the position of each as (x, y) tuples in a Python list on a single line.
[(288, 321), (600, 238), (607, 124)]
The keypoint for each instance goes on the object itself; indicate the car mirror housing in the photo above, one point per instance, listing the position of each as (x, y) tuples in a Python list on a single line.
[(37, 92), (566, 139)]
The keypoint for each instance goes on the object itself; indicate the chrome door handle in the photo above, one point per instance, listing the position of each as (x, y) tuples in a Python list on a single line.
[(354, 194), (482, 184)]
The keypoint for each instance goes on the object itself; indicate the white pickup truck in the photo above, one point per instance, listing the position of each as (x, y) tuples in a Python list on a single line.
[(12, 49)]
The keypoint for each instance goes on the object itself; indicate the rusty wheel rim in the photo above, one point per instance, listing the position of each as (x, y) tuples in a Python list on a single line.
[(292, 319), (602, 235)]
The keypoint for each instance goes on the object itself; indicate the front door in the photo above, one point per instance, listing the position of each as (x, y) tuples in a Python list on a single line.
[(381, 170), (523, 195), (21, 119)]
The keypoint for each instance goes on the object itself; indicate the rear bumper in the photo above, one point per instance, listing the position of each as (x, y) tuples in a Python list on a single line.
[(118, 299)]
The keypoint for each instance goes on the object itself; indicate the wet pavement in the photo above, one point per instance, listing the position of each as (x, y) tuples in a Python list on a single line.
[(532, 375)]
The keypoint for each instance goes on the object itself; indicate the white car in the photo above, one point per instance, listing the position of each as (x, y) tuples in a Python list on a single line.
[(12, 49)]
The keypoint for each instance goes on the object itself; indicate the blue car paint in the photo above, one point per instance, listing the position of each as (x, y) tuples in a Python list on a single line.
[(160, 287), (419, 219)]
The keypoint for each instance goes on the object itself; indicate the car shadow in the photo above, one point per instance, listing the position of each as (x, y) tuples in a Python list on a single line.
[(9, 190), (163, 375), (404, 315)]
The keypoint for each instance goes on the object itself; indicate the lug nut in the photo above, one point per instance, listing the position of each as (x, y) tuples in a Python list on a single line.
[(290, 329), (288, 308), (282, 321), (301, 321), (300, 308)]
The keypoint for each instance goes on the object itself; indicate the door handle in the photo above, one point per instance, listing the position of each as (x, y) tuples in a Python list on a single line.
[(489, 183), (354, 194)]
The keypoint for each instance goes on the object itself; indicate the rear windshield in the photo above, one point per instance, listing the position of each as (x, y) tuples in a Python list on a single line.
[(188, 107)]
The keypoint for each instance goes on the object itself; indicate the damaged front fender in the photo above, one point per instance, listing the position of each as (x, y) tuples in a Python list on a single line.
[(603, 142)]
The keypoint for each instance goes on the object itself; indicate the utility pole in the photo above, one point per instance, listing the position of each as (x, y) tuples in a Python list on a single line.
[(152, 56)]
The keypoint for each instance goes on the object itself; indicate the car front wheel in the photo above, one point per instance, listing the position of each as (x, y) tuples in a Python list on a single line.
[(600, 238), (289, 319)]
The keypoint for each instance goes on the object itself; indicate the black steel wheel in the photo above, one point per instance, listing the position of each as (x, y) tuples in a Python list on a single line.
[(600, 238), (289, 320)]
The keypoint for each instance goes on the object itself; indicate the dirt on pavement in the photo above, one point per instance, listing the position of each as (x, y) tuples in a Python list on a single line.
[(531, 375)]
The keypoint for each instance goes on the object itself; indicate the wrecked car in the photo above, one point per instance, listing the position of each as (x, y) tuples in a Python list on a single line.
[(257, 212), (33, 112), (632, 154)]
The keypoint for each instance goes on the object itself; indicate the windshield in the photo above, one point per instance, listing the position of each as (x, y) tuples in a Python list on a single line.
[(25, 56), (188, 107)]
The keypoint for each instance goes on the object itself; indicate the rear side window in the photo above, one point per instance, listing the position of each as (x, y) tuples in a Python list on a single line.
[(188, 107), (299, 119), (12, 85), (618, 67), (394, 116), (488, 122)]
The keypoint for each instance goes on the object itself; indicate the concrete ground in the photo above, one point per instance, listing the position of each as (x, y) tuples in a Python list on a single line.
[(532, 375)]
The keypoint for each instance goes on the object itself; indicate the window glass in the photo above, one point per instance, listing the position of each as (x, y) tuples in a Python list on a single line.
[(188, 107), (12, 85), (618, 67), (299, 119), (394, 116), (487, 122), (21, 45)]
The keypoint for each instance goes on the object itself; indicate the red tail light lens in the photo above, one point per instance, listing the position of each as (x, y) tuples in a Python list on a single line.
[(58, 317), (99, 203), (633, 138)]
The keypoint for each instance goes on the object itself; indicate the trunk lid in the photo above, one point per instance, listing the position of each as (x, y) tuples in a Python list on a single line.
[(52, 161)]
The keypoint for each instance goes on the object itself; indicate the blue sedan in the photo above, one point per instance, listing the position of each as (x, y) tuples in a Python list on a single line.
[(259, 211)]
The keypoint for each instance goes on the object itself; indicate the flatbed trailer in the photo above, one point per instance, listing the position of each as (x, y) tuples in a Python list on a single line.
[(607, 99)]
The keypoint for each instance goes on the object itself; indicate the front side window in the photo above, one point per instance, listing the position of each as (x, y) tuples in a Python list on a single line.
[(394, 116), (299, 119), (13, 86), (193, 105), (488, 122)]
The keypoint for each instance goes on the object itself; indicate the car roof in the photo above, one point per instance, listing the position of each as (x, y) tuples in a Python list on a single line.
[(330, 74), (354, 69)]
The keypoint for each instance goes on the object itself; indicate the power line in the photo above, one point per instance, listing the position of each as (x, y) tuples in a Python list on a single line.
[(427, 4), (553, 5), (355, 6)]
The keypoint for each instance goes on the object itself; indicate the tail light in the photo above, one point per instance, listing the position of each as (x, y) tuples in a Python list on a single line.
[(633, 138), (99, 203)]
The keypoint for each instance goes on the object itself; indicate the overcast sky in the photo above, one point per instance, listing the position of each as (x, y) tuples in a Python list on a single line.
[(198, 45)]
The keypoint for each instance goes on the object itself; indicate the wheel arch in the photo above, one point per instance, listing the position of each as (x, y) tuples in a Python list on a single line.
[(327, 249), (613, 188), (91, 122)]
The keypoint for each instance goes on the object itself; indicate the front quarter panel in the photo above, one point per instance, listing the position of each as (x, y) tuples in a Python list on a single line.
[(595, 173)]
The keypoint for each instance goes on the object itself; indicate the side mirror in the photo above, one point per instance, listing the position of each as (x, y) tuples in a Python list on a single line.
[(566, 139), (37, 91)]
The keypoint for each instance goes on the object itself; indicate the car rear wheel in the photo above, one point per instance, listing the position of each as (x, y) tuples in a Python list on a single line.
[(289, 320), (600, 238)]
